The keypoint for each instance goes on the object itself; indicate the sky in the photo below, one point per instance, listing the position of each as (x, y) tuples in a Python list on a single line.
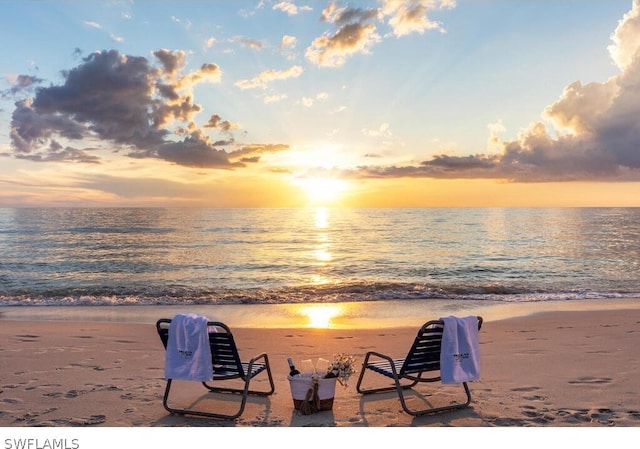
[(423, 103)]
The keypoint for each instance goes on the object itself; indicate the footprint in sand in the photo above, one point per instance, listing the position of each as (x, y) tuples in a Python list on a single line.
[(634, 414), (602, 416), (591, 380), (90, 421), (535, 397), (538, 416), (525, 389), (27, 338), (509, 422)]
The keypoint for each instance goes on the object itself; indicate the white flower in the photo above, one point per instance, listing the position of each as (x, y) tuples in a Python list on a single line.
[(342, 367)]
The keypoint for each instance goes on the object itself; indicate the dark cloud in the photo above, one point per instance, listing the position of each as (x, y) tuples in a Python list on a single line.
[(194, 151), (57, 153), (461, 163), (23, 83), (215, 121), (121, 102), (171, 61), (354, 35)]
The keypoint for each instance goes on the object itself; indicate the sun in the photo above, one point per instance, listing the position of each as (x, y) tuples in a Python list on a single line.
[(323, 191)]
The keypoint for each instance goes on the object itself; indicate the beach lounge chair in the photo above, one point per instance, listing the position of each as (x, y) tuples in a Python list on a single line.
[(227, 366), (423, 359)]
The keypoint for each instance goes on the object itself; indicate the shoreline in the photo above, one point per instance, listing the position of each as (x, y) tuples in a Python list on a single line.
[(339, 315), (546, 369)]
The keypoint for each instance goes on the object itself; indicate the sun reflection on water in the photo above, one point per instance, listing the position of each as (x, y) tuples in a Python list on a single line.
[(322, 218), (321, 315), (322, 253)]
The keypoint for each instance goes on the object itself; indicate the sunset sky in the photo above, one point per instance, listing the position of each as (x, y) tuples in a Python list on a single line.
[(302, 103)]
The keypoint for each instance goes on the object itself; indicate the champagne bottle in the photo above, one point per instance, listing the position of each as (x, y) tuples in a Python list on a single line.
[(293, 372)]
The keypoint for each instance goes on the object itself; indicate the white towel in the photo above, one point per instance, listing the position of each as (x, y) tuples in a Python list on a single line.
[(188, 354), (460, 350)]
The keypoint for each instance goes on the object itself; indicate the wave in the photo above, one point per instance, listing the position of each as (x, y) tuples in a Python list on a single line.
[(356, 292)]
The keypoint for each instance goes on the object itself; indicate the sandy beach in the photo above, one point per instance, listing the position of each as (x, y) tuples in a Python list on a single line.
[(551, 369)]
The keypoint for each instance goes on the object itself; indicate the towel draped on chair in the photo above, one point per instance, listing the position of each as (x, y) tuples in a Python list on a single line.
[(188, 354), (460, 350)]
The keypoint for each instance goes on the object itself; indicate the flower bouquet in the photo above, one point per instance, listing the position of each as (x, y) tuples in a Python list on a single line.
[(341, 368)]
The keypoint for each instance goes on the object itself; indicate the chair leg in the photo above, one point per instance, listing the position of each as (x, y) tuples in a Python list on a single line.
[(244, 392), (179, 411), (399, 389), (433, 410)]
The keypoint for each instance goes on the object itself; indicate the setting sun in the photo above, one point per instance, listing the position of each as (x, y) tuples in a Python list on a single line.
[(322, 191)]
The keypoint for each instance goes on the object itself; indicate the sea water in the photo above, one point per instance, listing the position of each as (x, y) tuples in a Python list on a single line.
[(423, 259)]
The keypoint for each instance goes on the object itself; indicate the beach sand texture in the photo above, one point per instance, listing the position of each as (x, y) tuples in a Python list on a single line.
[(559, 368)]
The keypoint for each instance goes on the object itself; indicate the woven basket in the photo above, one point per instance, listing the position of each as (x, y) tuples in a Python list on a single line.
[(301, 389)]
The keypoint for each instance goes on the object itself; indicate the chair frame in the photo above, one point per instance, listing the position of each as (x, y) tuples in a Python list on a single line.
[(227, 365), (423, 357)]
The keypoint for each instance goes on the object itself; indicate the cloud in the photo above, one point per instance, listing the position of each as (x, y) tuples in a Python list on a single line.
[(357, 28), (91, 24), (288, 46), (274, 98), (290, 8), (121, 102), (98, 26), (21, 84), (354, 35), (288, 42), (210, 42), (224, 125), (182, 22), (249, 43), (255, 149), (382, 131), (624, 48), (264, 78), (408, 17), (596, 135), (194, 151)]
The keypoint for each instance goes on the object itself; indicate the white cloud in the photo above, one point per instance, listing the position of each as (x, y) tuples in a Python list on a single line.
[(268, 76)]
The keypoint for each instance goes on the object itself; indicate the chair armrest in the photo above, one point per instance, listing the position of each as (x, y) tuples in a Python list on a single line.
[(262, 355), (366, 364), (376, 354)]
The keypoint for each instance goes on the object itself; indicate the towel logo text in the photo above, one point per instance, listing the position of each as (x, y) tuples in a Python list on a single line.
[(185, 354), (460, 357)]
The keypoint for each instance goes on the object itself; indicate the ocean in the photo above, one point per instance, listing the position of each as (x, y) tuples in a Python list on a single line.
[(63, 258)]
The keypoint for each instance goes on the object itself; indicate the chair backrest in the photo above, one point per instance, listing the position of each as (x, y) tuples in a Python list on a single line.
[(224, 353), (424, 354)]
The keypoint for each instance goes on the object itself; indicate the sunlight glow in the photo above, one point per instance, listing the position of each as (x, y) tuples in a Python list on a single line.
[(322, 191), (320, 315)]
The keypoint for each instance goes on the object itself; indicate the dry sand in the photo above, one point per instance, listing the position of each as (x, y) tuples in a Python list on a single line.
[(551, 369)]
